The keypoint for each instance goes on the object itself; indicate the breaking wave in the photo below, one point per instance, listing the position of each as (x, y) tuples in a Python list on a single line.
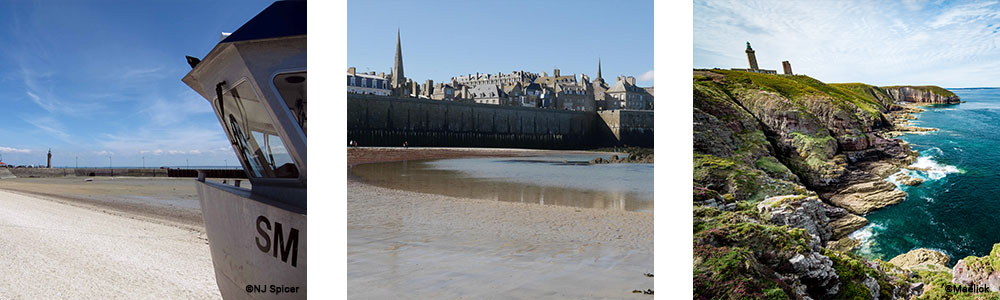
[(866, 236)]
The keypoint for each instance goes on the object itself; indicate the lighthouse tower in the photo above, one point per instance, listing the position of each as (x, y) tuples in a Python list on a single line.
[(752, 57)]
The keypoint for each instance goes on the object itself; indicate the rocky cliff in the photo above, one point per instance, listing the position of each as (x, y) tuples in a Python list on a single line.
[(783, 168), (922, 94)]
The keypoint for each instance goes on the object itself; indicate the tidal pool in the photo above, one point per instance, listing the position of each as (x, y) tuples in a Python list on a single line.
[(566, 180)]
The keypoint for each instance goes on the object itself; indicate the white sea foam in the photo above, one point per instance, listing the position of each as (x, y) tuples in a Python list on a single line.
[(933, 169), (866, 236), (935, 150)]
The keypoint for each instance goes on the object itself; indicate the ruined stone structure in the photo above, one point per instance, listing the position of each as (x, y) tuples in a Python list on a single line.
[(787, 66), (48, 160)]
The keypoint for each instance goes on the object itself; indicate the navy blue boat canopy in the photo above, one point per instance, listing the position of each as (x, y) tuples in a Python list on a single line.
[(282, 18)]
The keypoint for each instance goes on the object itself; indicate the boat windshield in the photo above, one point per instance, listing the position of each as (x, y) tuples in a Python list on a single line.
[(253, 133), (292, 88)]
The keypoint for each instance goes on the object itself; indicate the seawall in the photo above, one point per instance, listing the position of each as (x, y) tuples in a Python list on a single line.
[(389, 121)]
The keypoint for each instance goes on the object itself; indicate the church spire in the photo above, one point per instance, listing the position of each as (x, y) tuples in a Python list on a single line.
[(398, 79), (599, 69)]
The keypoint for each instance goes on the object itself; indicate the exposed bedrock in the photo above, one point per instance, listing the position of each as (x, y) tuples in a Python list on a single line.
[(979, 271), (921, 259), (826, 222), (922, 94)]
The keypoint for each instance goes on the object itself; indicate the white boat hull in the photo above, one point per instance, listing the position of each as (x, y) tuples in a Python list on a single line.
[(258, 246)]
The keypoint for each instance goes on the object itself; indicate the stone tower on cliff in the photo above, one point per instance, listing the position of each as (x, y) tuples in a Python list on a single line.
[(750, 56), (398, 79)]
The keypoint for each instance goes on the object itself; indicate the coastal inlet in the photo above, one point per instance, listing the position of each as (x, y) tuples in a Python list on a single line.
[(957, 197)]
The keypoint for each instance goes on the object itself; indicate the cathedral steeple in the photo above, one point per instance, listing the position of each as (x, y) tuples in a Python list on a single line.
[(599, 69), (398, 79)]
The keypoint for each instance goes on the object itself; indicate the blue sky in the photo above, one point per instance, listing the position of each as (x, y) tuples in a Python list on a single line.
[(442, 39), (102, 78), (950, 44)]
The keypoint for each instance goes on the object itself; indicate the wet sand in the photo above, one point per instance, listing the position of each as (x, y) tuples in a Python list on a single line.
[(413, 245), (63, 248), (364, 155), (173, 201)]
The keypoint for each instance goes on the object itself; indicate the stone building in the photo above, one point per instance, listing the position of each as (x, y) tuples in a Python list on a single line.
[(443, 91), (496, 79), (534, 95), (787, 66), (626, 95), (515, 94), (488, 94), (556, 78), (366, 83), (600, 87)]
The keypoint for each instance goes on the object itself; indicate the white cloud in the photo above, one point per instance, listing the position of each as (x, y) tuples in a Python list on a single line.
[(964, 14), (104, 152), (166, 141), (49, 125), (648, 76), (13, 150), (875, 42)]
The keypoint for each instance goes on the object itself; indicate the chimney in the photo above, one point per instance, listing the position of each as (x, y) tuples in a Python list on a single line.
[(630, 79), (555, 73), (351, 71)]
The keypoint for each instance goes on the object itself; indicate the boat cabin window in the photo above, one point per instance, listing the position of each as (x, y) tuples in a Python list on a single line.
[(254, 135), (292, 89)]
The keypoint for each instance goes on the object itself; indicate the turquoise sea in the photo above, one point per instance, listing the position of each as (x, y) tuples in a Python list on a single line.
[(957, 209)]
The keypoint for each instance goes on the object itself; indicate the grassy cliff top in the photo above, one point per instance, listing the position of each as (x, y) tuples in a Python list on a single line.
[(799, 86), (926, 88)]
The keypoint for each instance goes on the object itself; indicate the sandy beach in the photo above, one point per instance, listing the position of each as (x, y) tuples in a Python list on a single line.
[(412, 245), (65, 238)]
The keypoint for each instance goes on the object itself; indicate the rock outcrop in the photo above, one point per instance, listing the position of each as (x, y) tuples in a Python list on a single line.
[(908, 180), (920, 258), (864, 197), (816, 271), (922, 94), (979, 271), (846, 224)]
